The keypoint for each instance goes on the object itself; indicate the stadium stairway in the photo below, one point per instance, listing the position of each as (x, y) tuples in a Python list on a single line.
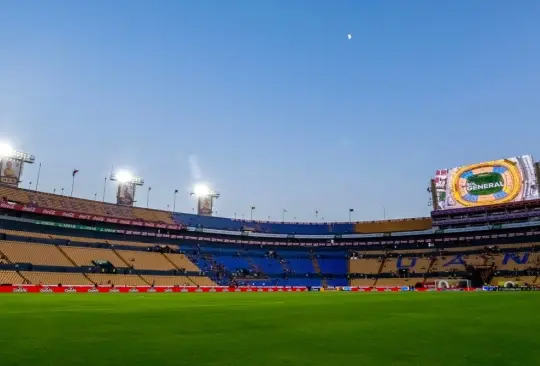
[(170, 261), (317, 269), (381, 266), (3, 256), (428, 271), (65, 255), (144, 279), (22, 276), (88, 278), (383, 261), (253, 266), (175, 266), (121, 258)]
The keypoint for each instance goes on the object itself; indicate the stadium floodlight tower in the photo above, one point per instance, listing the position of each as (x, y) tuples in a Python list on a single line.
[(127, 183), (11, 164), (205, 198)]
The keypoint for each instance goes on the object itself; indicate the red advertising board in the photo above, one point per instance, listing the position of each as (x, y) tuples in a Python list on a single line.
[(81, 216), (188, 289), (139, 289)]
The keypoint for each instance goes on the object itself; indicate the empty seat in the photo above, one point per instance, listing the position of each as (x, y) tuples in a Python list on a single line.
[(42, 254), (146, 260), (202, 281), (117, 279), (85, 256), (362, 282), (181, 261), (10, 278), (55, 278), (367, 266), (168, 280)]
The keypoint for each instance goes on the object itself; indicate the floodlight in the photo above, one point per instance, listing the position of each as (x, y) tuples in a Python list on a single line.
[(201, 190), (124, 176), (6, 150)]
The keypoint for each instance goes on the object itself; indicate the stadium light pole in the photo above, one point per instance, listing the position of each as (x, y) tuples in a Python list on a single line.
[(174, 200), (283, 215), (75, 171), (384, 212), (104, 188), (235, 215), (30, 185), (351, 210), (38, 174), (62, 191), (95, 196), (148, 196), (54, 191), (252, 209)]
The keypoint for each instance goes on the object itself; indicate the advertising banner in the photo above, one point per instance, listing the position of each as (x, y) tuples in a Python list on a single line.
[(81, 216), (141, 289), (191, 289)]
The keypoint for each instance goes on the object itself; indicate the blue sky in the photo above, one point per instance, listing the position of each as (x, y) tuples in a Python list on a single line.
[(268, 100)]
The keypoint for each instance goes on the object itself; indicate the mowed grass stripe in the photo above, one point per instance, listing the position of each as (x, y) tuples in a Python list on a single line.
[(270, 329)]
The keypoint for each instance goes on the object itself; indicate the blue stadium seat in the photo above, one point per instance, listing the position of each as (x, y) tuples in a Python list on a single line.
[(333, 266), (223, 223), (268, 266)]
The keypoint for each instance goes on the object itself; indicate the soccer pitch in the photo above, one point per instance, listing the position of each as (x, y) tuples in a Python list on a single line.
[(270, 329)]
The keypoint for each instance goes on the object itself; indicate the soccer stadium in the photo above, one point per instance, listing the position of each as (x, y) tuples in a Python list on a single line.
[(269, 183), (477, 252)]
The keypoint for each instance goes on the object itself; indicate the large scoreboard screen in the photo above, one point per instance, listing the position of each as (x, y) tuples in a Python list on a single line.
[(488, 183)]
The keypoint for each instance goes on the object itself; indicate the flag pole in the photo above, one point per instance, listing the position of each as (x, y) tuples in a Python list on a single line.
[(38, 174), (75, 171), (72, 184), (104, 187)]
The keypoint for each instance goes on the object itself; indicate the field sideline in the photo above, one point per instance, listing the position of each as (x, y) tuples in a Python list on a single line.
[(270, 329)]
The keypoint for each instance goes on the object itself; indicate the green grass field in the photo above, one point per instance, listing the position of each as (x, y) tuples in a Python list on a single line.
[(270, 329)]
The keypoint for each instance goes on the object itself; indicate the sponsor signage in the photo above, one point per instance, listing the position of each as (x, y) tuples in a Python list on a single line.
[(513, 289), (80, 216), (189, 289), (144, 289)]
